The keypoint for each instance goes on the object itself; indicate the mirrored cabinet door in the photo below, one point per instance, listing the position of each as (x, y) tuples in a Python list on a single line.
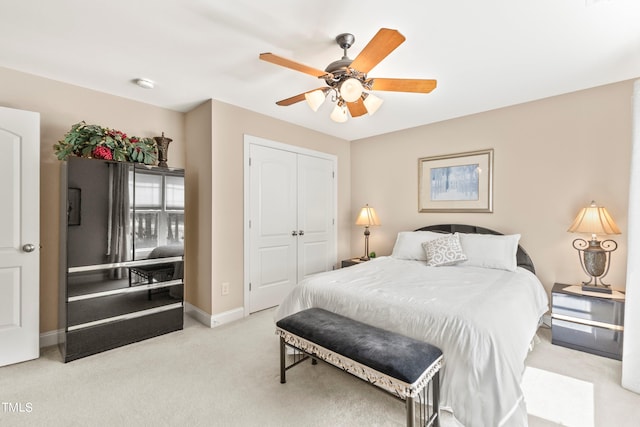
[(158, 212), (98, 212)]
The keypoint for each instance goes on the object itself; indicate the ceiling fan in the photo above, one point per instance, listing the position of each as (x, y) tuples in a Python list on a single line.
[(347, 79)]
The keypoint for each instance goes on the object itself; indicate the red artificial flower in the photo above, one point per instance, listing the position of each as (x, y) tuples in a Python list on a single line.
[(115, 133), (102, 153)]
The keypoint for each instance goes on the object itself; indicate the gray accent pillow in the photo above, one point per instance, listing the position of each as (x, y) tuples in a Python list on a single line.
[(445, 250)]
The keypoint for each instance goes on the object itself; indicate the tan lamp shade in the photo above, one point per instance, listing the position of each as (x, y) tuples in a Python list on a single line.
[(593, 220), (367, 217)]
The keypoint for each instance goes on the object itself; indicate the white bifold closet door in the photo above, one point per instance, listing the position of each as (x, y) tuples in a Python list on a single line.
[(292, 224)]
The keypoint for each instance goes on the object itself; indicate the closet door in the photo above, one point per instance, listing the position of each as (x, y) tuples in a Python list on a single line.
[(273, 228), (292, 229), (316, 244)]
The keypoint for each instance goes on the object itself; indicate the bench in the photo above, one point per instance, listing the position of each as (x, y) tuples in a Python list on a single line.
[(400, 365)]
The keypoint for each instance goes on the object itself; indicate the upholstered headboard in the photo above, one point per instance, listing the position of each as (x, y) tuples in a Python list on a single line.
[(522, 258)]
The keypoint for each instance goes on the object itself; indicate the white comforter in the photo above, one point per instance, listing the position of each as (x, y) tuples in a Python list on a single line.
[(482, 319)]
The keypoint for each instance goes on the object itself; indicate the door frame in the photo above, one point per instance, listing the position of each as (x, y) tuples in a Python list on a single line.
[(255, 140)]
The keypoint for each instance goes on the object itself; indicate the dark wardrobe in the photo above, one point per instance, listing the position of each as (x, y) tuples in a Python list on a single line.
[(121, 254)]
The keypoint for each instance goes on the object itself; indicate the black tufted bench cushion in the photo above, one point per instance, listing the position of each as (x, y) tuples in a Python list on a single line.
[(398, 364)]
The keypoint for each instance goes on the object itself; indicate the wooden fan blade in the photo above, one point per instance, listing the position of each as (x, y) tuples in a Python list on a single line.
[(284, 62), (297, 98), (404, 85), (382, 44), (357, 108), (291, 101)]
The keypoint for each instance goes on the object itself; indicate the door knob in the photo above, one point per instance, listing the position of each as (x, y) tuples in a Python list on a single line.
[(29, 247), (301, 232), (294, 233)]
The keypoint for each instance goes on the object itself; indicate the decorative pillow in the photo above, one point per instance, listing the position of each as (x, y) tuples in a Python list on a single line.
[(409, 244), (490, 251), (444, 250)]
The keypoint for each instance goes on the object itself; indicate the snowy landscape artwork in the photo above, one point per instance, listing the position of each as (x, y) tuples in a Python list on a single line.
[(455, 183), (461, 182)]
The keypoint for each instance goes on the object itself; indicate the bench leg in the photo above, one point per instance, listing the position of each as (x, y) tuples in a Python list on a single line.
[(283, 350), (411, 412), (432, 420), (436, 397)]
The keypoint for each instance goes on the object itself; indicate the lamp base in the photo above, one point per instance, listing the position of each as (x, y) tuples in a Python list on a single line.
[(595, 288)]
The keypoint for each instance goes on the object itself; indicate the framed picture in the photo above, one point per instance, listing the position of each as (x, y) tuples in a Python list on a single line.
[(456, 182), (73, 207)]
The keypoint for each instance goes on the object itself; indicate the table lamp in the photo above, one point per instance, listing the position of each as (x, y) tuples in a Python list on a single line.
[(367, 217), (595, 255)]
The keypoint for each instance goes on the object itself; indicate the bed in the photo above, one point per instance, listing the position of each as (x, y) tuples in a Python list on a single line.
[(482, 310)]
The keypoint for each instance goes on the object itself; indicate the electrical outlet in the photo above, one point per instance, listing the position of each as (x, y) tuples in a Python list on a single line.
[(225, 288)]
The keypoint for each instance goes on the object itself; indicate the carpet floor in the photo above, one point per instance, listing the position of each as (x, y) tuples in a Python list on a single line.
[(229, 376)]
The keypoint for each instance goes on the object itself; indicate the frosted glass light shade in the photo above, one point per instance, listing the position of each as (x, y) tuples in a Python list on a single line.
[(593, 220), (315, 99), (372, 103), (351, 89), (339, 114)]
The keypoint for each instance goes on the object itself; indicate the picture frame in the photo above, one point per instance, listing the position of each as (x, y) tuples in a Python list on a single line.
[(460, 182), (74, 201)]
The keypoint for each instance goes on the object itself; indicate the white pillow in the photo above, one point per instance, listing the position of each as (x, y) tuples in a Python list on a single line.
[(490, 251), (409, 244), (445, 250)]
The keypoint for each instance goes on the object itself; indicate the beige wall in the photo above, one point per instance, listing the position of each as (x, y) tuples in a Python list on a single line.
[(552, 157), (61, 105), (198, 200), (228, 125)]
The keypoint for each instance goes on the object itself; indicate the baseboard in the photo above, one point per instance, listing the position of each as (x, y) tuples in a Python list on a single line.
[(216, 319), (47, 339)]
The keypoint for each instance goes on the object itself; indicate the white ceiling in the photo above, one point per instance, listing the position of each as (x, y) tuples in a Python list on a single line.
[(485, 54)]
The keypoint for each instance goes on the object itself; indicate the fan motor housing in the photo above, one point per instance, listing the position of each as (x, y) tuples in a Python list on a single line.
[(339, 67)]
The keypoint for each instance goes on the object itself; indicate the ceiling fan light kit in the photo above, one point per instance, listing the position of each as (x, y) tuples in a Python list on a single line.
[(372, 103), (351, 89), (339, 113), (315, 98), (348, 80)]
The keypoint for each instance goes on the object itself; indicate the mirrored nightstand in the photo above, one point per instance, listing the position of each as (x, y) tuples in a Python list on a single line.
[(587, 321)]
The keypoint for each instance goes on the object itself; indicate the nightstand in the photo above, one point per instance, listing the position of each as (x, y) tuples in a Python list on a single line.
[(352, 261), (587, 321)]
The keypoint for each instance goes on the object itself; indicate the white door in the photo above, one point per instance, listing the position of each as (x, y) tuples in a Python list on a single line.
[(19, 235), (315, 216), (273, 228), (292, 221)]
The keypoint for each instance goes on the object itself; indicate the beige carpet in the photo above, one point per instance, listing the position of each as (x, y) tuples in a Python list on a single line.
[(229, 376)]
